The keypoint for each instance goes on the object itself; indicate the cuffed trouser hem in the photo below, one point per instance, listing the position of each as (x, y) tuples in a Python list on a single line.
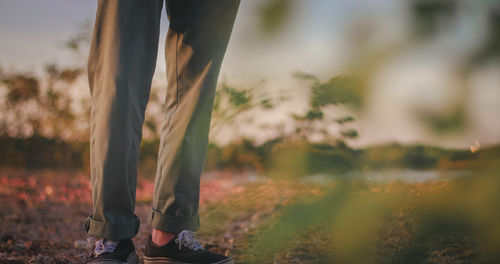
[(174, 224), (112, 231)]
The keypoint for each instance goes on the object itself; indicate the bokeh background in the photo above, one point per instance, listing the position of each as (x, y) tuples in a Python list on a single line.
[(343, 131)]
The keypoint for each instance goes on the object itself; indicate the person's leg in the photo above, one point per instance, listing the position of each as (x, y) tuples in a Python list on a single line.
[(196, 42), (121, 64)]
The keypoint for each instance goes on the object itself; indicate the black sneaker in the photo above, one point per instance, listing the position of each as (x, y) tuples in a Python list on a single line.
[(111, 251), (182, 249)]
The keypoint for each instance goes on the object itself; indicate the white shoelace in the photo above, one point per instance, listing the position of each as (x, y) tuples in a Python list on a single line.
[(103, 245), (186, 238)]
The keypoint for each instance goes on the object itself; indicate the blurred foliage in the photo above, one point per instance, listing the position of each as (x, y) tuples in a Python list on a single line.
[(341, 211), (47, 105), (41, 107), (490, 48), (445, 122), (317, 123), (274, 15), (39, 152), (293, 160), (432, 18), (21, 88), (276, 158), (439, 222), (53, 116), (338, 90), (453, 221), (233, 105), (430, 15)]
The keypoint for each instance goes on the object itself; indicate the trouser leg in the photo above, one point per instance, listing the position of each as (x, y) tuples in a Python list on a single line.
[(196, 42), (121, 64)]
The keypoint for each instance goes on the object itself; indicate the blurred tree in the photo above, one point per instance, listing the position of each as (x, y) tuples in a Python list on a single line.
[(32, 109), (316, 123), (21, 88), (232, 103)]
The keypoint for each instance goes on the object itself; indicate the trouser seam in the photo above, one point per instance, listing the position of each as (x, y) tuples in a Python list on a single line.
[(169, 124), (169, 120)]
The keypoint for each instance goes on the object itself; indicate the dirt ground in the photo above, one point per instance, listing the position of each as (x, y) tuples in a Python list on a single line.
[(42, 214)]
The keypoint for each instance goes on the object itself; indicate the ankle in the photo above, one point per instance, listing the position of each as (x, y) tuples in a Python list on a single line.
[(161, 237)]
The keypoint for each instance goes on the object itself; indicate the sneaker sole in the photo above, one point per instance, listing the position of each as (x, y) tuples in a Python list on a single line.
[(131, 259), (163, 260)]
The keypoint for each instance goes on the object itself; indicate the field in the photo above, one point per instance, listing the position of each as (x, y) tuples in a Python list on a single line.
[(260, 220)]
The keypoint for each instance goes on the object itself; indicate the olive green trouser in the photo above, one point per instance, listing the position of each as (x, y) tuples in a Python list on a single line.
[(121, 64)]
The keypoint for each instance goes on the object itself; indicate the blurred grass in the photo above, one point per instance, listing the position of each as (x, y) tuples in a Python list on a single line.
[(454, 221)]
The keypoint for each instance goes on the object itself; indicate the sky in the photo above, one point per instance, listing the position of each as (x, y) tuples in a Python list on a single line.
[(318, 39)]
